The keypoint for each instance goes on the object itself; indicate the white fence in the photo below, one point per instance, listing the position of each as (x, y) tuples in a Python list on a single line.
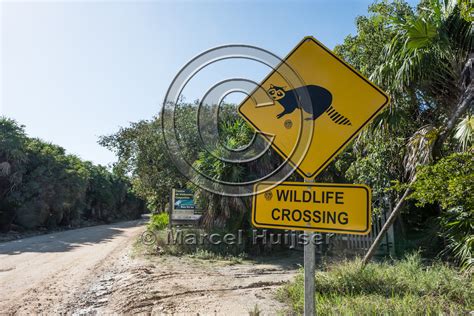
[(347, 245), (357, 244)]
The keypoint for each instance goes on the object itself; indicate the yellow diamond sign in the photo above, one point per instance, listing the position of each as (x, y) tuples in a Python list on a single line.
[(320, 104)]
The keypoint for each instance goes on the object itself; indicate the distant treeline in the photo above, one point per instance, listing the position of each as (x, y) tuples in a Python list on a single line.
[(42, 186)]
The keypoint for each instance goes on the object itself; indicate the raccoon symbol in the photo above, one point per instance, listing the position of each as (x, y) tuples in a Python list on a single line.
[(320, 100)]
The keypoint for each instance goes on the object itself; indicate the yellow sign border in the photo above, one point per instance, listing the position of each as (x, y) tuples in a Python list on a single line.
[(349, 139), (316, 229)]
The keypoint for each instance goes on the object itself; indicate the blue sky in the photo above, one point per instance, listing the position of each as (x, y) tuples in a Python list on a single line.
[(72, 71)]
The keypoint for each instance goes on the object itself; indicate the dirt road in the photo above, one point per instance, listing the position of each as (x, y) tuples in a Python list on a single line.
[(42, 273), (92, 271)]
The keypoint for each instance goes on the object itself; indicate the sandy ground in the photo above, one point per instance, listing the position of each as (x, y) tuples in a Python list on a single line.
[(92, 271), (42, 273)]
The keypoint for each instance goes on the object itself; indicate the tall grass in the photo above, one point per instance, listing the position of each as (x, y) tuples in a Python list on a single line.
[(406, 287)]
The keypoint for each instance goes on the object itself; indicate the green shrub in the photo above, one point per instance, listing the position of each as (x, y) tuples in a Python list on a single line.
[(43, 186), (450, 183), (406, 287), (158, 221)]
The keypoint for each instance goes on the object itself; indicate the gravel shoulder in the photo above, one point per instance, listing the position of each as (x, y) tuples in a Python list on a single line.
[(183, 285)]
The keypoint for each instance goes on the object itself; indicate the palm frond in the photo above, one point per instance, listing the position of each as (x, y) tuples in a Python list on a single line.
[(420, 149), (420, 33), (465, 131), (428, 49), (5, 169)]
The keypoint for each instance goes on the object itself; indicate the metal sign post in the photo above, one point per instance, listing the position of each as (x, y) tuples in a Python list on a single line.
[(325, 207), (309, 269), (313, 208), (170, 211)]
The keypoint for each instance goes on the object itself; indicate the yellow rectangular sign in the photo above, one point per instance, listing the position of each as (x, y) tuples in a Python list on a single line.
[(321, 207)]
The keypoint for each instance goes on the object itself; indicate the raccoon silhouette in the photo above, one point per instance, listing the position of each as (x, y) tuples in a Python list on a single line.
[(319, 102)]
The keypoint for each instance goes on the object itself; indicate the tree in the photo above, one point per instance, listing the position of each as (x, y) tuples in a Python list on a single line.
[(450, 183), (375, 157), (224, 211), (12, 161), (143, 155), (41, 185), (431, 58)]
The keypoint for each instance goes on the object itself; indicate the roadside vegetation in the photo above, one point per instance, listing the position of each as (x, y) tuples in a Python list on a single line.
[(158, 222), (405, 287), (43, 187), (186, 241)]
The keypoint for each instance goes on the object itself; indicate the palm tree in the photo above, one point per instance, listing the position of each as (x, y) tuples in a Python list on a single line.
[(430, 57), (231, 212)]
